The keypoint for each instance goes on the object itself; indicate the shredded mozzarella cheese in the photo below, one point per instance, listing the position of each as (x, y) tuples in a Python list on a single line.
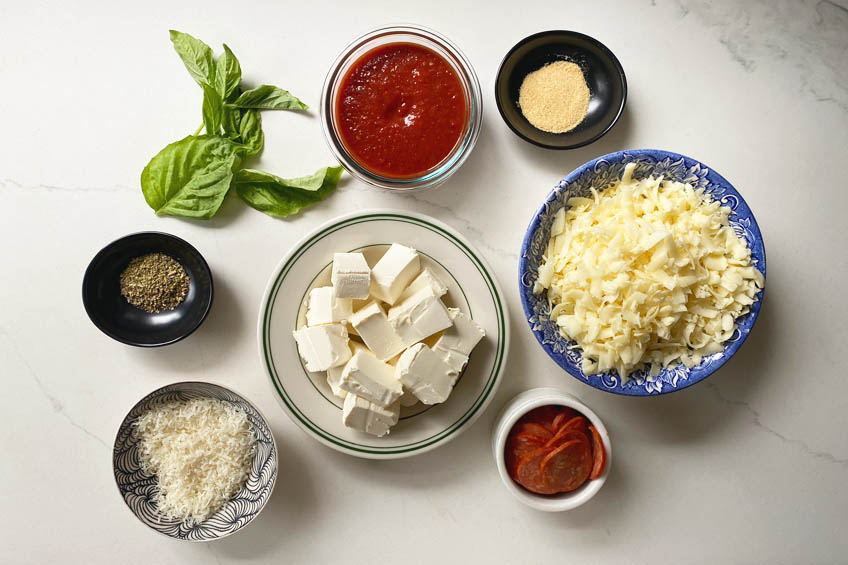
[(647, 272), (200, 450)]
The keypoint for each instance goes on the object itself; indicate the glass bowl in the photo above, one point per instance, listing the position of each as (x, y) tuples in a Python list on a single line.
[(471, 89)]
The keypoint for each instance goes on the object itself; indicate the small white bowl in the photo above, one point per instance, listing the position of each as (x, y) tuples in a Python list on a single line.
[(515, 409)]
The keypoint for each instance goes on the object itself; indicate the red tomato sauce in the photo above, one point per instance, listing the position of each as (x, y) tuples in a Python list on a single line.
[(400, 110)]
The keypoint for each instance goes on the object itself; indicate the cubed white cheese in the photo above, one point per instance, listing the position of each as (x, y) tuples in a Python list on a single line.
[(324, 307), (393, 272), (334, 374), (370, 378), (373, 327), (322, 347), (408, 399), (419, 316), (455, 345), (365, 416), (424, 374), (351, 275), (426, 278)]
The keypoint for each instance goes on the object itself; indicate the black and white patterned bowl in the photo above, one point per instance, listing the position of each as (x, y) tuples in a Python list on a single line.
[(138, 489)]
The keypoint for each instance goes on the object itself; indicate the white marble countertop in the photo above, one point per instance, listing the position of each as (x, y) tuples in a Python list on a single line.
[(750, 466)]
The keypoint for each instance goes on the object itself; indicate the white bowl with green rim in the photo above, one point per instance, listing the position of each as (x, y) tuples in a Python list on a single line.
[(472, 287)]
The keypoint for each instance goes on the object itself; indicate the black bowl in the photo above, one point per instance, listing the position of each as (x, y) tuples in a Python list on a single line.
[(602, 71), (117, 318)]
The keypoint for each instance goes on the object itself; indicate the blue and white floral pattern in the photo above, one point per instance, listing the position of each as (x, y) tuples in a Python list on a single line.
[(600, 174), (138, 489)]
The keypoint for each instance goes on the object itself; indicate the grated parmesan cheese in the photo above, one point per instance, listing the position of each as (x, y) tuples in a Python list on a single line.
[(646, 273), (200, 450)]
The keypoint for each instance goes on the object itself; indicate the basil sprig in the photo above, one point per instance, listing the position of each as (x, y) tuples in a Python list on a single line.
[(191, 177)]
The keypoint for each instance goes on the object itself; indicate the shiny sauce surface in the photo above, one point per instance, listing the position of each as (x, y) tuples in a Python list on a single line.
[(400, 110)]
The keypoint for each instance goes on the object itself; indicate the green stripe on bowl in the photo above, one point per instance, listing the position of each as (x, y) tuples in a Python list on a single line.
[(295, 410)]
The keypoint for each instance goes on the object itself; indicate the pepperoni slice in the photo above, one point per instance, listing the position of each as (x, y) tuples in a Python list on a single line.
[(562, 417), (529, 473), (517, 446), (535, 429), (543, 415), (564, 435), (559, 420), (576, 423), (599, 454), (567, 467)]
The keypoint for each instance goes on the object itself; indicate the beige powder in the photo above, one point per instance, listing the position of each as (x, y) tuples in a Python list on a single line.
[(555, 98)]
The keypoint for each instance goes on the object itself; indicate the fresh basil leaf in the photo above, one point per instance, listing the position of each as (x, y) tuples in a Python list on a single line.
[(197, 57), (190, 177), (283, 197), (250, 131), (311, 182), (230, 120), (227, 74), (268, 97), (213, 110)]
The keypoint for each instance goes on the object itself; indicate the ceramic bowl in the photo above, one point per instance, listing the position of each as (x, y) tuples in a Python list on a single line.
[(120, 320), (137, 489), (472, 287), (600, 173), (515, 409), (601, 69)]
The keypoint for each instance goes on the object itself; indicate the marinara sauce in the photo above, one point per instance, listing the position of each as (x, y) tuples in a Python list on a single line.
[(400, 110)]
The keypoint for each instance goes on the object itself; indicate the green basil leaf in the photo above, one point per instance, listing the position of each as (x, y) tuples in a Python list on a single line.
[(213, 110), (197, 57), (267, 97), (283, 197), (311, 182), (230, 120), (190, 177), (227, 74), (250, 131)]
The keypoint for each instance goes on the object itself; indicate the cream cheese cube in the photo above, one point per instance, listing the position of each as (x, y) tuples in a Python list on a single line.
[(324, 307), (369, 378), (419, 316), (425, 279), (455, 345), (323, 347), (393, 272), (359, 414), (334, 374), (373, 327), (351, 275), (424, 374), (408, 399)]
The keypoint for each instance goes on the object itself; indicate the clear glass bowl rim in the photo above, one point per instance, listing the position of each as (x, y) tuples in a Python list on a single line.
[(452, 162)]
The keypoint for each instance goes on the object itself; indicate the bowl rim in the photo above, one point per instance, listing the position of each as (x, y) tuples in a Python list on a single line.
[(465, 145), (388, 213), (240, 397), (89, 274), (499, 77), (534, 225), (509, 415)]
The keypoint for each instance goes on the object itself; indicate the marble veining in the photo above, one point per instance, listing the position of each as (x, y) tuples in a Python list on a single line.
[(757, 421), (95, 87), (811, 38), (56, 404)]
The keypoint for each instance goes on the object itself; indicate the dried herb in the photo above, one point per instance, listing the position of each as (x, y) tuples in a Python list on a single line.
[(154, 283)]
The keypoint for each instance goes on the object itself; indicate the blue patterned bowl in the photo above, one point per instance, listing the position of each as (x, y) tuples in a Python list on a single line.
[(600, 173), (138, 489)]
